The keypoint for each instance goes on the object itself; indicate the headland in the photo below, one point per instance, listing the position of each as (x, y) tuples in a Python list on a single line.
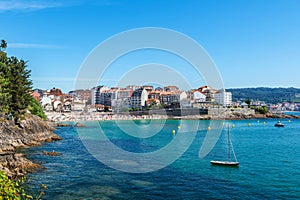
[(32, 131)]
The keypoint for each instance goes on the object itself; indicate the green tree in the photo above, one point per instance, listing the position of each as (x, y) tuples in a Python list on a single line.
[(16, 87), (262, 110), (248, 101), (3, 45), (35, 108), (106, 109), (4, 83), (4, 95), (20, 87)]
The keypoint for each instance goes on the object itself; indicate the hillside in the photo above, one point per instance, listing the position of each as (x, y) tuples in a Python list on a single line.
[(269, 95)]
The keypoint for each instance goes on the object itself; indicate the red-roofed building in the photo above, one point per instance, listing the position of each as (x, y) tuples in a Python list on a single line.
[(36, 96)]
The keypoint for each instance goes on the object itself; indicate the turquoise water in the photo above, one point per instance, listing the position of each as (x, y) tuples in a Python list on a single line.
[(292, 113), (269, 164)]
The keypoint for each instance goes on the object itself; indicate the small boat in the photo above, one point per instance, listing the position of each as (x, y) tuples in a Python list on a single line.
[(279, 124), (224, 163), (227, 162)]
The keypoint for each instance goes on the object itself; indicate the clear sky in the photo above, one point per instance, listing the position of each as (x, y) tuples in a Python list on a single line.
[(252, 42)]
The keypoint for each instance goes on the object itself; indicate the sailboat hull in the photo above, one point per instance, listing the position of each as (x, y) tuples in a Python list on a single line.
[(224, 163)]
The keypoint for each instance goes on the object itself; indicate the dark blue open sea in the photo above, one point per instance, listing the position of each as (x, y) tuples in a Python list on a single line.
[(269, 164)]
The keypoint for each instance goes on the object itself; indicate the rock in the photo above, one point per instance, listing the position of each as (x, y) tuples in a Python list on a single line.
[(51, 153), (32, 131), (62, 125), (16, 165), (79, 125)]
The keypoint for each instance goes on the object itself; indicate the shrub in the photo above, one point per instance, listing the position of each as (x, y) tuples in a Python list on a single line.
[(36, 109), (11, 190), (14, 190), (262, 110)]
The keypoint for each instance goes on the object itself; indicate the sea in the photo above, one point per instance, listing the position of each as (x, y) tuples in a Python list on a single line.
[(88, 168)]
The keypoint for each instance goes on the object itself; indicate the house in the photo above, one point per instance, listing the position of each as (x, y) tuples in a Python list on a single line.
[(168, 98), (199, 97), (36, 95), (171, 88), (46, 103), (244, 105)]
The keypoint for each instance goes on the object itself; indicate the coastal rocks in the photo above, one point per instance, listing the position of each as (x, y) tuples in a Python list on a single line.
[(282, 116), (62, 125), (51, 153), (79, 125), (16, 165), (33, 132)]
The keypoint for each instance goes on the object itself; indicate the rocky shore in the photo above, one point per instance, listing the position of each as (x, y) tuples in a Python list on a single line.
[(32, 131), (96, 116), (238, 116)]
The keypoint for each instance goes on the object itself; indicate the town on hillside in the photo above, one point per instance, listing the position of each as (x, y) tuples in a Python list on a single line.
[(145, 100), (131, 98)]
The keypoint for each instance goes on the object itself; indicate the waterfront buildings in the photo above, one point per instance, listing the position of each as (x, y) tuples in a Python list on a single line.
[(138, 99), (133, 97), (95, 94), (223, 98)]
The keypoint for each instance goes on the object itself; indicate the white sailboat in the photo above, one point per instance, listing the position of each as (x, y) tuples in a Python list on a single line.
[(229, 162)]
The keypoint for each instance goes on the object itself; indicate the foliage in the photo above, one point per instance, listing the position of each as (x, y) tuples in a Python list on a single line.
[(15, 87), (4, 94), (20, 87), (35, 108), (11, 190), (269, 95), (248, 101), (3, 45), (106, 109), (261, 110), (125, 109), (14, 190), (163, 105)]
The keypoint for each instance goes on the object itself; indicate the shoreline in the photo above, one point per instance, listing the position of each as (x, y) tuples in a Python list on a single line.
[(57, 118), (34, 132)]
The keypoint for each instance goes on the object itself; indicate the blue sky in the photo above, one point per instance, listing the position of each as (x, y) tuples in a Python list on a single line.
[(252, 42)]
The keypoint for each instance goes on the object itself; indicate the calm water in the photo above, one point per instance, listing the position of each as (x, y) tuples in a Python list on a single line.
[(269, 165)]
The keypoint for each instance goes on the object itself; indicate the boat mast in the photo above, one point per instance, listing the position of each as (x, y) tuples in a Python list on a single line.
[(228, 143)]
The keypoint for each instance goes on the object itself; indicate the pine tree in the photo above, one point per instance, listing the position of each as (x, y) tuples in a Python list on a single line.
[(15, 86), (20, 87), (4, 82), (3, 45)]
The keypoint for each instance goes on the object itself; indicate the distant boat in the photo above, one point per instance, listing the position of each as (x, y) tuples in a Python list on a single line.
[(279, 124), (228, 162)]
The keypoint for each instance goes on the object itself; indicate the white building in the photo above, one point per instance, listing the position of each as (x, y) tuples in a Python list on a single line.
[(96, 94), (138, 98), (185, 102), (199, 97), (223, 98)]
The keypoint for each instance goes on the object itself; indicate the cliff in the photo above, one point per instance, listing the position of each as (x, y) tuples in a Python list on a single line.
[(32, 131)]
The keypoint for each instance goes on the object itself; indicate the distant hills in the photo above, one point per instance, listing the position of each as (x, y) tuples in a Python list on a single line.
[(269, 95)]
